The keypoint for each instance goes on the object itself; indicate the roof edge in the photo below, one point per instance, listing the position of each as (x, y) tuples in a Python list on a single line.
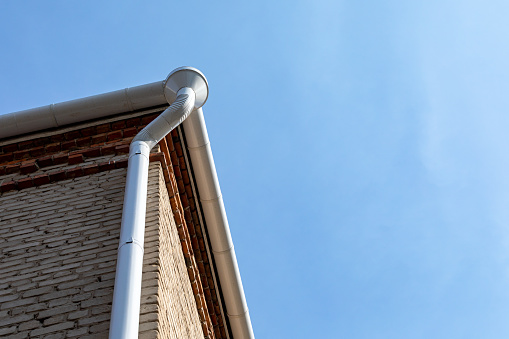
[(79, 110)]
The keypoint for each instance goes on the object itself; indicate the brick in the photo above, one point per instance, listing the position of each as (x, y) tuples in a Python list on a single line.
[(94, 320), (36, 307), (37, 151), (81, 297), (98, 285), (57, 138), (108, 292), (16, 320), (25, 183), (9, 169), (75, 159), (148, 119), (92, 152), (45, 161), (108, 149), (72, 135), (148, 326), (149, 335), (121, 163), (90, 169), (133, 122), (101, 309), (97, 301), (68, 286), (29, 325), (88, 132), (77, 332), (58, 280), (122, 149), (8, 186), (10, 148), (86, 141), (41, 179), (21, 154), (74, 172), (62, 293), (55, 336), (104, 128), (54, 328), (130, 132), (106, 166), (98, 139), (57, 310), (38, 291), (7, 330), (78, 314), (68, 145), (56, 319), (8, 297), (25, 144), (53, 148), (60, 159), (41, 141), (58, 175), (100, 327), (6, 157), (99, 227), (117, 125)]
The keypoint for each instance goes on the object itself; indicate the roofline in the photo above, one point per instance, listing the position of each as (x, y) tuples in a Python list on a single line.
[(144, 97), (79, 110)]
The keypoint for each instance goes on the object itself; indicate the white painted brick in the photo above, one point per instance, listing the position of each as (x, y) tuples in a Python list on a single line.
[(77, 332), (38, 291), (17, 303), (57, 310), (54, 328), (94, 320), (15, 320), (72, 242), (8, 330), (59, 294), (29, 325)]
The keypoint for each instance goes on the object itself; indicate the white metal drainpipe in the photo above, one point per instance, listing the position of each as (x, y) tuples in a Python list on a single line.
[(191, 91)]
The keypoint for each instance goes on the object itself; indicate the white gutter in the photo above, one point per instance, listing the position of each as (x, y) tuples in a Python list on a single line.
[(217, 224), (89, 108), (186, 88)]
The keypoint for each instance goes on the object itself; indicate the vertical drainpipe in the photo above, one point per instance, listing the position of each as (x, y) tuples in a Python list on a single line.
[(186, 89)]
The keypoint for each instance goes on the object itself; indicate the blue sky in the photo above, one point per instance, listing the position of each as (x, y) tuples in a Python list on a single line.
[(360, 145)]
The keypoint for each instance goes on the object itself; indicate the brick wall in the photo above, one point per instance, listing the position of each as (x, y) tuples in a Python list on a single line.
[(58, 246), (72, 153)]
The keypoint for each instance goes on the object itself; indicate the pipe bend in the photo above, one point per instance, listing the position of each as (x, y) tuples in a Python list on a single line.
[(169, 119)]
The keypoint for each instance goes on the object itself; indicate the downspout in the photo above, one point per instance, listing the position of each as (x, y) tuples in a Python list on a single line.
[(188, 88)]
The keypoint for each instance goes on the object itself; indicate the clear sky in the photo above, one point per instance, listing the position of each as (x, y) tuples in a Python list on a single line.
[(360, 145)]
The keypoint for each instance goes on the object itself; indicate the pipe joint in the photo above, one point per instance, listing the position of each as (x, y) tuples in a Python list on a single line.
[(139, 147), (132, 241)]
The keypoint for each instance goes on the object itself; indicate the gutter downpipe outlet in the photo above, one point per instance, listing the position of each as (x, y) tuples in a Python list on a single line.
[(186, 89)]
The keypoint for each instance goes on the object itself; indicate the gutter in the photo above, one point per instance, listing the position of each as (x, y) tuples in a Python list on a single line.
[(186, 89)]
